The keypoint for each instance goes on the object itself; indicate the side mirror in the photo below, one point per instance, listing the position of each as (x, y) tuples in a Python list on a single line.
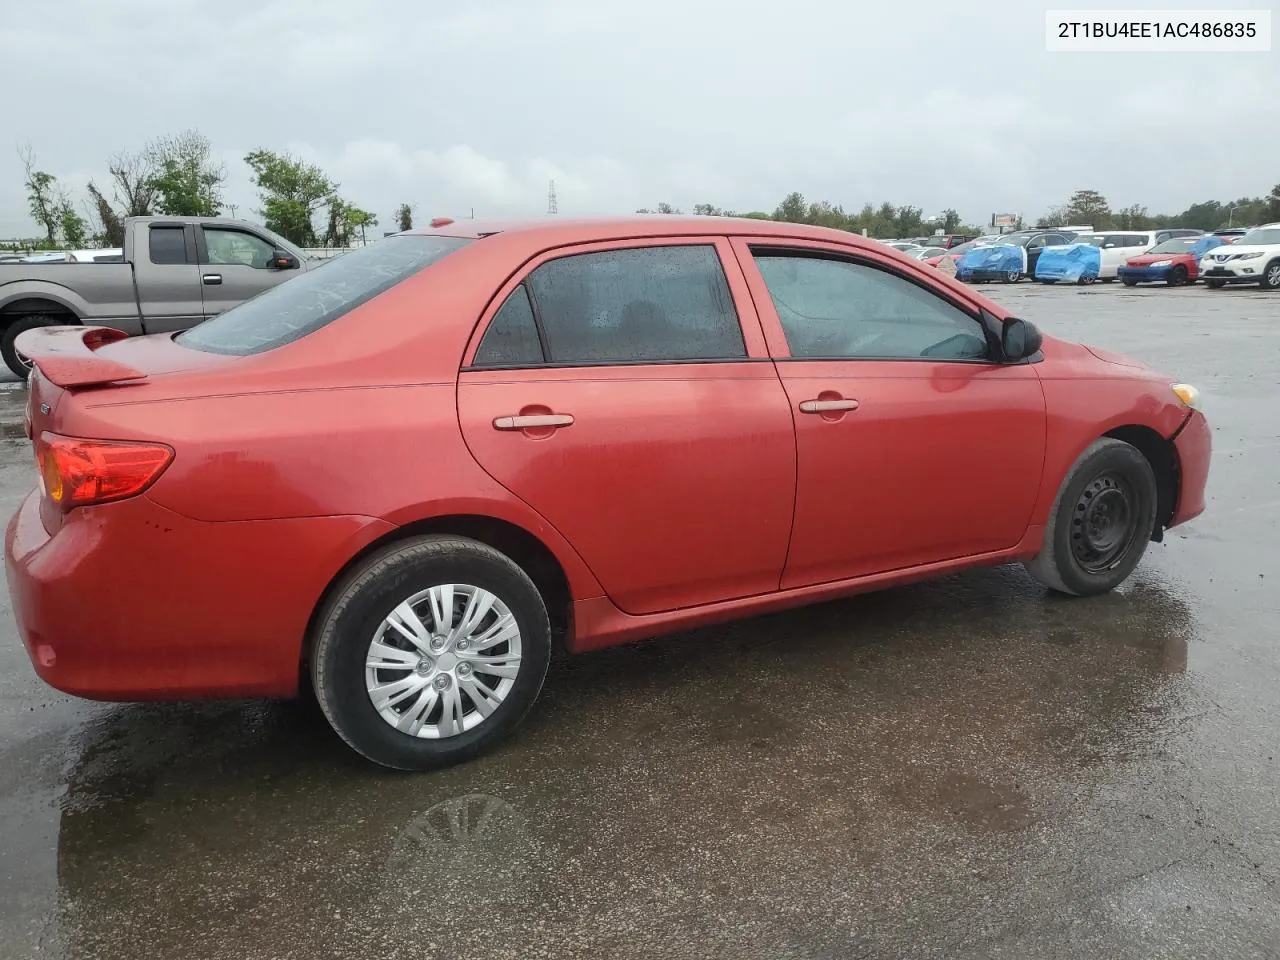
[(1019, 339), (283, 260)]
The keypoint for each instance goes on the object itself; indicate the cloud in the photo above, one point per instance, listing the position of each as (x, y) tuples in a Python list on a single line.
[(455, 106)]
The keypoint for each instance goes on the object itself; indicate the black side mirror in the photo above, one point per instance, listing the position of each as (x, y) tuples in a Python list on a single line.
[(283, 260), (1019, 339)]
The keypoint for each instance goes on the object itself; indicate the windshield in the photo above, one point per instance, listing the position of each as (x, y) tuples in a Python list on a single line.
[(313, 299), (970, 244), (1264, 236), (1176, 245)]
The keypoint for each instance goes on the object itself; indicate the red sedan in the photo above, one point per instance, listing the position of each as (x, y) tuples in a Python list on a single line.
[(398, 478)]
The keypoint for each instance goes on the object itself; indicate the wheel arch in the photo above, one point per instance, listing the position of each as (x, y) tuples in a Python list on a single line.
[(522, 546), (40, 298), (1163, 458)]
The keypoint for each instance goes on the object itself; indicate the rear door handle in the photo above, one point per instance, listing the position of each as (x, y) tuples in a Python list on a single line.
[(533, 421), (212, 279), (826, 406)]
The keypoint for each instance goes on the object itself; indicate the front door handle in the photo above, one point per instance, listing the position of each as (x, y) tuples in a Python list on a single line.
[(212, 279), (536, 421), (827, 406)]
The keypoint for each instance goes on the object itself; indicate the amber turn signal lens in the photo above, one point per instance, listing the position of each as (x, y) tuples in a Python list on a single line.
[(1188, 394)]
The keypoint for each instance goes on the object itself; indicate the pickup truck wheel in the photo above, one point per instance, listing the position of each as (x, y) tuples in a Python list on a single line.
[(431, 652), (15, 361), (1100, 523)]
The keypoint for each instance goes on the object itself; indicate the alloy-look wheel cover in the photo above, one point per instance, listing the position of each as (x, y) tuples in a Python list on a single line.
[(443, 661)]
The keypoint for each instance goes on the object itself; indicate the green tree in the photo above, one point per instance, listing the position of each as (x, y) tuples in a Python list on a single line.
[(186, 180), (1054, 217), (358, 219), (70, 223), (1134, 217), (950, 221), (1089, 206), (42, 198), (792, 209), (110, 228), (404, 216), (291, 191)]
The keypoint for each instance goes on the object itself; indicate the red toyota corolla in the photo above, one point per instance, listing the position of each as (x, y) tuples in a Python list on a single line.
[(397, 478)]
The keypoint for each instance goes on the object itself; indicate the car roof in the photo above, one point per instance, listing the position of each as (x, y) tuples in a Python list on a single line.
[(557, 230)]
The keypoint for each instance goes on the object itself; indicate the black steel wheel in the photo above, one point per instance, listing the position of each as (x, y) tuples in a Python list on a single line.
[(1100, 523)]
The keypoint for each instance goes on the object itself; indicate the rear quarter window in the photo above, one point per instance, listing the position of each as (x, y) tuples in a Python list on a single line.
[(304, 304)]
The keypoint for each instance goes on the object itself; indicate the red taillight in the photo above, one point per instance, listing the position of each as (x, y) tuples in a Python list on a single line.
[(77, 473)]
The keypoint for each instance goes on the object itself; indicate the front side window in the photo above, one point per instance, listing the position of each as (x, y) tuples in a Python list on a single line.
[(836, 309), (637, 305), (317, 297), (231, 247), (168, 244)]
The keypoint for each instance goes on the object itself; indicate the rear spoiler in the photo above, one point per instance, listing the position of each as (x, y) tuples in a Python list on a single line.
[(65, 355)]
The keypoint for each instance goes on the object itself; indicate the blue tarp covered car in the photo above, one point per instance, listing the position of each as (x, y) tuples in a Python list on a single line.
[(1069, 263), (997, 261)]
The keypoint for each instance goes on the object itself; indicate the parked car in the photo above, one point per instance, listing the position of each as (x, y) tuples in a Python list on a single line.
[(175, 272), (956, 252), (1253, 258), (928, 253), (1032, 243), (1231, 232), (1174, 262), (601, 431), (904, 246), (946, 240)]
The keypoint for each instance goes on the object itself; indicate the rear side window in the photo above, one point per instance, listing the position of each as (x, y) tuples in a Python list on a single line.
[(313, 299), (638, 305), (168, 244), (512, 337)]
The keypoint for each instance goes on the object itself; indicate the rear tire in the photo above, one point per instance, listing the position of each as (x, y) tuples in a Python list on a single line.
[(19, 365), (1012, 276), (1100, 523), (361, 645)]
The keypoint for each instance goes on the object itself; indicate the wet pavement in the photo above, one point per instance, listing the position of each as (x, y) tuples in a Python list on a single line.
[(966, 768)]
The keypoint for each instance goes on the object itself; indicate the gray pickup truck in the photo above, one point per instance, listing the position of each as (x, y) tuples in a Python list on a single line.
[(174, 273)]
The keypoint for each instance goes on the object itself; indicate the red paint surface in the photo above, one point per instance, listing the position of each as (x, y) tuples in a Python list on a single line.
[(682, 494)]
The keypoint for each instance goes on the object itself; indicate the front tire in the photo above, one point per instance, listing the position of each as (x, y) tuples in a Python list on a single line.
[(1271, 276), (1101, 521), (1215, 284), (1129, 281), (1177, 276), (1012, 276), (431, 652)]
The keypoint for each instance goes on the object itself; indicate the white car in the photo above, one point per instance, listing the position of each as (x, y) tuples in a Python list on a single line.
[(1254, 258)]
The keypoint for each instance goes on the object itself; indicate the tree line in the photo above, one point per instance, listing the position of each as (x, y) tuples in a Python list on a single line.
[(1084, 206), (1091, 207), (178, 176)]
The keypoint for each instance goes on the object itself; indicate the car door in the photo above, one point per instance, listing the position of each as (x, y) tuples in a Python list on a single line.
[(912, 446), (624, 391), (167, 278), (235, 264)]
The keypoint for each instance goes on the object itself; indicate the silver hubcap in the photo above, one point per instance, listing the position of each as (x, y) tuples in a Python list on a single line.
[(442, 661), (1273, 276)]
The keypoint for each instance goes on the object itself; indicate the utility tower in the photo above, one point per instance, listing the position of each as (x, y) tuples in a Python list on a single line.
[(551, 199)]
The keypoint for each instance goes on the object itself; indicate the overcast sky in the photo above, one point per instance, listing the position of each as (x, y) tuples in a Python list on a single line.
[(453, 105)]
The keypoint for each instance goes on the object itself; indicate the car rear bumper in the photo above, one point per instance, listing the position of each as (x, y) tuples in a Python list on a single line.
[(1144, 274), (1194, 447), (131, 601)]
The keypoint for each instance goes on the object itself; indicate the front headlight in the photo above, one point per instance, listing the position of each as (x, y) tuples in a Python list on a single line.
[(1162, 263), (1250, 256), (1188, 394)]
